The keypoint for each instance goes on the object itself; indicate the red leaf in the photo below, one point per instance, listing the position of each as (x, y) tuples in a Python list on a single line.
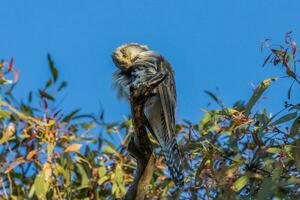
[(16, 75), (45, 104), (11, 64)]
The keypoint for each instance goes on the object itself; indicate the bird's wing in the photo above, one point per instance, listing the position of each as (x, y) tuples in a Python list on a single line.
[(148, 125), (167, 93)]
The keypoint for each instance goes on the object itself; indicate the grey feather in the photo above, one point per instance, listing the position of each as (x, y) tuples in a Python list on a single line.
[(160, 108)]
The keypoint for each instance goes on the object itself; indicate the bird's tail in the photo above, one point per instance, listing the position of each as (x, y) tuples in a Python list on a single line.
[(174, 162)]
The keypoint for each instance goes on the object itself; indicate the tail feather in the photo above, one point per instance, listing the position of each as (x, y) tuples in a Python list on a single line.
[(174, 162)]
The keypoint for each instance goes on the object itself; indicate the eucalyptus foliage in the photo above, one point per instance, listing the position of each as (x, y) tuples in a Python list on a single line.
[(237, 152)]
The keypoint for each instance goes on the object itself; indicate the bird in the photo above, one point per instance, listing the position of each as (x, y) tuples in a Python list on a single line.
[(137, 64)]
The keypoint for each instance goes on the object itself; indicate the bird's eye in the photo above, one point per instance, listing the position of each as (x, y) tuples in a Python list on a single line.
[(123, 55)]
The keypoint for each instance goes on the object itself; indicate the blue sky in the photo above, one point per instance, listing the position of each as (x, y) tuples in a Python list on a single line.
[(209, 43)]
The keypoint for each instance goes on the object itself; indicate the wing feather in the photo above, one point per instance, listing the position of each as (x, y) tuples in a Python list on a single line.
[(167, 93)]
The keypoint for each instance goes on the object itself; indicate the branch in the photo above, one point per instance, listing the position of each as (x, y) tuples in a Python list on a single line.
[(139, 146)]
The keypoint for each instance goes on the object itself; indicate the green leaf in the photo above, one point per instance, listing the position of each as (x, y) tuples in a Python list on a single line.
[(102, 180), (114, 187), (240, 183), (48, 84), (257, 94), (50, 148), (295, 127), (70, 116), (122, 190), (101, 171), (53, 69), (285, 118), (41, 186), (205, 119), (46, 95), (119, 174), (267, 189), (7, 133), (4, 114), (83, 175), (109, 150), (4, 81), (87, 125), (214, 97), (273, 150), (65, 174), (62, 85)]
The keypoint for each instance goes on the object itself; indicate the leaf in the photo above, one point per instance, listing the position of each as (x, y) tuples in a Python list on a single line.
[(70, 116), (62, 85), (46, 95), (273, 150), (16, 75), (73, 147), (41, 186), (114, 187), (87, 125), (64, 172), (295, 107), (82, 159), (11, 64), (83, 175), (30, 96), (7, 133), (240, 183), (290, 91), (266, 60), (285, 118), (31, 154), (48, 84), (109, 150), (295, 127), (267, 189), (53, 69), (257, 94), (290, 73), (4, 114), (205, 119), (102, 180), (213, 96), (50, 148), (47, 170), (101, 171), (4, 81), (119, 175)]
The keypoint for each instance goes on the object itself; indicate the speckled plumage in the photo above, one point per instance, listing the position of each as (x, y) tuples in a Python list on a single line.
[(137, 64)]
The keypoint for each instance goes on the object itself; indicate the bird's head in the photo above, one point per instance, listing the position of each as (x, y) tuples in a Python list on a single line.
[(125, 55)]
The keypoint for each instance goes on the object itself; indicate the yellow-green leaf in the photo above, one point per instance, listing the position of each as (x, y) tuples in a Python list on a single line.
[(102, 180), (7, 133), (273, 150), (73, 147), (101, 171), (257, 94), (240, 183), (41, 186), (109, 150)]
